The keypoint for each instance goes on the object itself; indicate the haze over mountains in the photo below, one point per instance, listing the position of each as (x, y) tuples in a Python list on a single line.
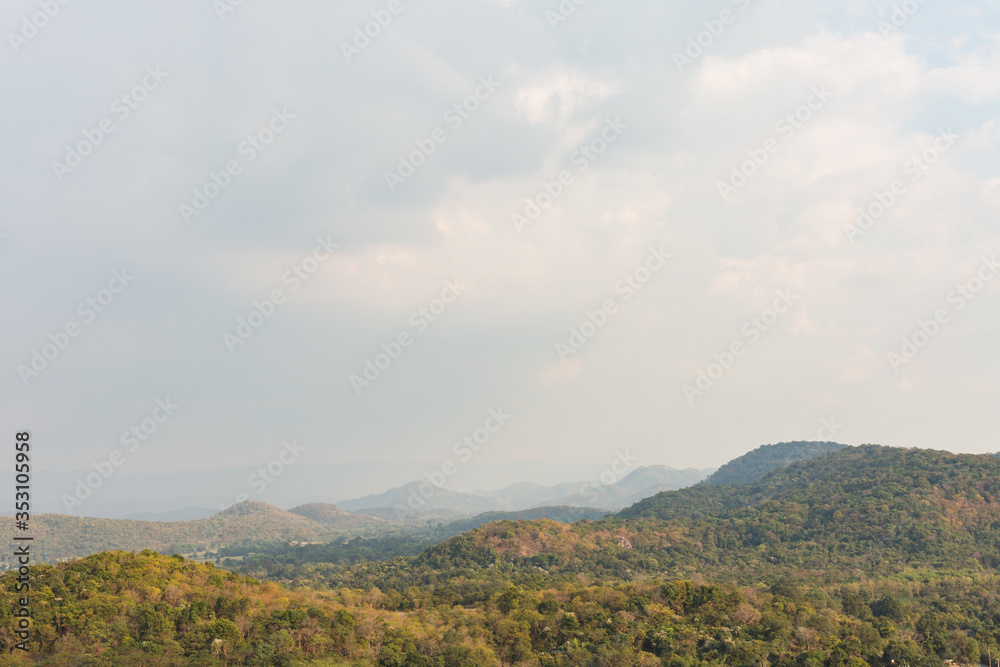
[(610, 493), (201, 493), (251, 522)]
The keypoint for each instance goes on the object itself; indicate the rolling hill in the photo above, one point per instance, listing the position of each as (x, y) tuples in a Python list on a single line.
[(63, 536)]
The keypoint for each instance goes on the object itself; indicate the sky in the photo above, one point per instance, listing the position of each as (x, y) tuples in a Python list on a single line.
[(496, 231)]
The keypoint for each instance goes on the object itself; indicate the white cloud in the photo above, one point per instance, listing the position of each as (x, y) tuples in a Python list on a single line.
[(783, 229)]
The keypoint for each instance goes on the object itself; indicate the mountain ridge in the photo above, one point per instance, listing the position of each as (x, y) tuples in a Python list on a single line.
[(641, 482)]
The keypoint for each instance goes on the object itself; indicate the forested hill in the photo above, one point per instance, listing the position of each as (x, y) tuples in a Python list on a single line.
[(887, 478), (754, 465), (857, 512), (121, 609)]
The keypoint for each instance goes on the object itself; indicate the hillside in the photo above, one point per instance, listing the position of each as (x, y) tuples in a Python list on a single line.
[(754, 465)]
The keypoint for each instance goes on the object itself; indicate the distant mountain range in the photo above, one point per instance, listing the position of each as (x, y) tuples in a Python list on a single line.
[(190, 495), (423, 497), (249, 523)]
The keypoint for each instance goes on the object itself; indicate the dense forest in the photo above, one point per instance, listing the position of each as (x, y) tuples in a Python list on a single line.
[(863, 556), (121, 608)]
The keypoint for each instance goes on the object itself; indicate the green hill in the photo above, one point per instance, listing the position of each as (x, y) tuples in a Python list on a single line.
[(862, 511), (875, 508)]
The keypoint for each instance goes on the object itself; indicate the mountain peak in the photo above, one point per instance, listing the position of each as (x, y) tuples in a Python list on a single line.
[(251, 508)]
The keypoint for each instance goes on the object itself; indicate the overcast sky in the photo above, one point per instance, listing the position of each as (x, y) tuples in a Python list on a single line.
[(840, 103)]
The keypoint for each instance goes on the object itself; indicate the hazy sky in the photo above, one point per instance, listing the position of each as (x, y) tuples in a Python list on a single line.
[(724, 179)]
